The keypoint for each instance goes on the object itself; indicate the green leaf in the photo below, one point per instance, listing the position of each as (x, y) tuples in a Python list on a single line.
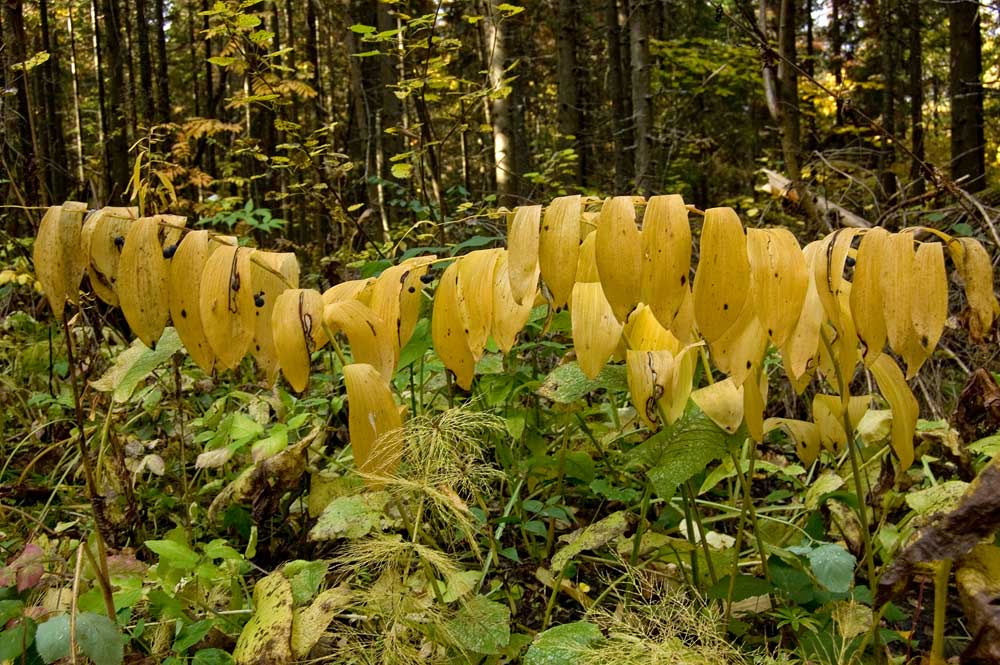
[(99, 638), (481, 626), (745, 586), (591, 537), (305, 578), (267, 636), (212, 657), (172, 553), (562, 645), (191, 634), (940, 498), (361, 29), (677, 453), (16, 639), (350, 516), (52, 638), (401, 171), (419, 344), (135, 364), (222, 60), (567, 383), (833, 567)]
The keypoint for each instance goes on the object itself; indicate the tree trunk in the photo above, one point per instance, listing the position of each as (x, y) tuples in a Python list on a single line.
[(788, 86), (641, 105), (916, 67), (104, 186), (568, 89), (115, 145), (145, 61), (162, 79), (77, 115), (52, 84), (620, 106), (968, 152), (836, 57), (18, 151), (500, 111), (887, 30)]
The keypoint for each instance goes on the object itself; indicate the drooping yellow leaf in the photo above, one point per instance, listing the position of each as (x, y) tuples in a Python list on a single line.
[(559, 247), (509, 318), (227, 304), (779, 280), (799, 351), (843, 341), (828, 270), (586, 263), (522, 252), (754, 402), (271, 273), (930, 309), (475, 296), (59, 262), (721, 401), (101, 239), (897, 299), (370, 337), (354, 289), (683, 326), (451, 340), (144, 275), (618, 253), (596, 331), (742, 346), (659, 383), (803, 433), (828, 414), (904, 407), (666, 257), (866, 293), (184, 288), (645, 333), (297, 330), (722, 280), (372, 414), (397, 294), (975, 267)]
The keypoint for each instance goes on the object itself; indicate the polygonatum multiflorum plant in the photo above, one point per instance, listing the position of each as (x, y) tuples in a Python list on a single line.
[(856, 298)]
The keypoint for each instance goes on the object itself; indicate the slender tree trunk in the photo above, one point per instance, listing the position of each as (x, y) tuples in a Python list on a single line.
[(889, 43), (620, 107), (788, 83), (916, 73), (52, 83), (162, 65), (836, 56), (641, 97), (312, 55), (145, 61), (77, 115), (104, 189), (18, 153), (568, 87), (130, 85), (116, 144), (968, 150), (500, 111), (193, 53)]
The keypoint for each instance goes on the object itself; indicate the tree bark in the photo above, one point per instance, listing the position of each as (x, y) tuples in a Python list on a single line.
[(968, 151), (621, 126), (887, 34), (568, 89), (52, 84), (162, 66), (145, 60), (18, 154), (916, 75), (641, 96), (116, 144), (500, 111)]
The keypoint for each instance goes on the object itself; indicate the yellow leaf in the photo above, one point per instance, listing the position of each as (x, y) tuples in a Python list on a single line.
[(742, 346), (975, 267), (522, 248), (144, 274), (370, 337), (101, 240), (586, 264), (451, 340), (866, 293), (799, 351), (722, 281), (271, 273), (355, 289), (596, 331), (897, 297), (559, 247), (930, 310), (803, 433), (828, 270), (227, 306), (396, 296), (779, 280), (475, 296), (618, 253), (904, 407), (183, 288), (297, 330), (828, 414), (59, 262), (371, 415), (754, 402), (721, 401), (509, 318), (645, 333), (666, 257)]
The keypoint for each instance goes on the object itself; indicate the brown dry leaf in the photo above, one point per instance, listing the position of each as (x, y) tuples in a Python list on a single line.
[(978, 412), (978, 581)]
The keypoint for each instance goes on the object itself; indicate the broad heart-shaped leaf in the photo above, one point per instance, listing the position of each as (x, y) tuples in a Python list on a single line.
[(591, 537), (833, 567), (351, 516), (98, 637), (562, 645), (135, 364), (481, 626), (567, 383), (677, 453), (267, 637)]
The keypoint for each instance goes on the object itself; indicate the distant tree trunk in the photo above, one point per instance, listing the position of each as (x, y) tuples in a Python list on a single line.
[(788, 85), (312, 55), (888, 43), (968, 151), (518, 45), (130, 85), (116, 144), (145, 60), (641, 94), (621, 124), (77, 115), (916, 67), (18, 151), (500, 111), (568, 87), (162, 66), (193, 53), (104, 186), (836, 56), (810, 68), (52, 85)]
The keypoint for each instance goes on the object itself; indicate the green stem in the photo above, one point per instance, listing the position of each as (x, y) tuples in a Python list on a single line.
[(941, 575), (745, 479), (706, 550)]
